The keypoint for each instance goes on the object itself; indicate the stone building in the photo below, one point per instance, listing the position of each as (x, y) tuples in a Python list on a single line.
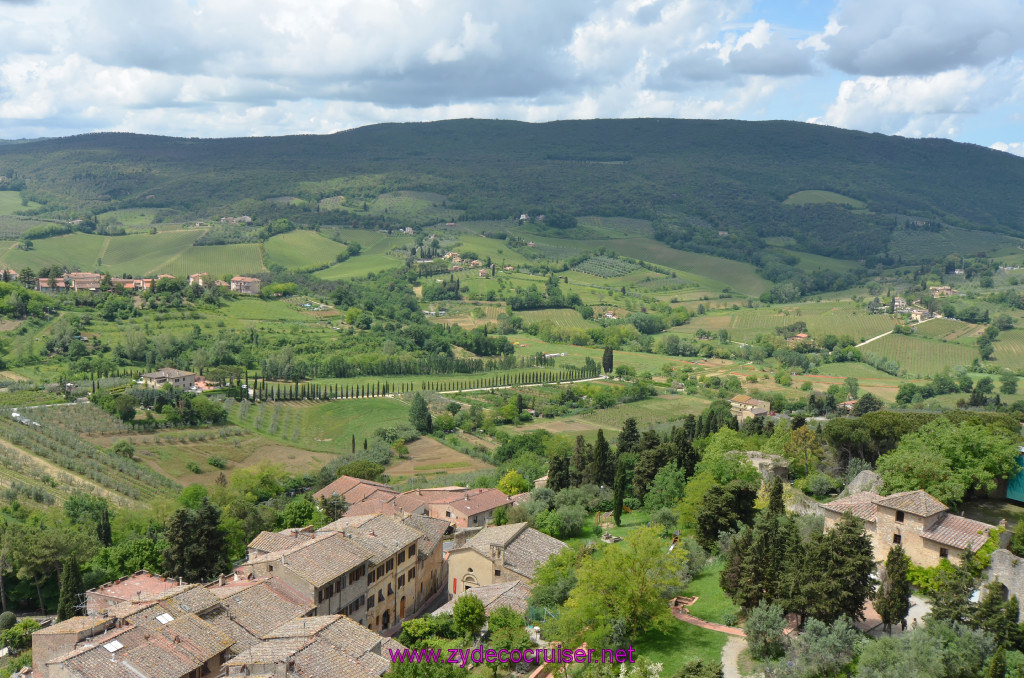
[(744, 407), (916, 520), (499, 554)]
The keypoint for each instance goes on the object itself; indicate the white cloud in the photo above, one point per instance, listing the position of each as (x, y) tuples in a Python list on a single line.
[(919, 106), (238, 67), (918, 37), (1015, 147)]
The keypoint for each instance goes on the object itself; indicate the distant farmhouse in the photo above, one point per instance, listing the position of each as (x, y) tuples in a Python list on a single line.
[(169, 375), (245, 285)]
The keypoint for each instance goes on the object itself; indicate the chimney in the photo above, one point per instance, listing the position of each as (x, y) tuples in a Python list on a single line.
[(180, 581), (220, 580)]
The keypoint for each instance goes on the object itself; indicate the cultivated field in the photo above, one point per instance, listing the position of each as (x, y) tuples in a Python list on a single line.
[(921, 357), (945, 328), (428, 457), (822, 318), (302, 249), (138, 254), (556, 317)]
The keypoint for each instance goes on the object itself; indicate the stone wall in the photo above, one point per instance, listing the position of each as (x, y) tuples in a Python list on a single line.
[(1009, 570)]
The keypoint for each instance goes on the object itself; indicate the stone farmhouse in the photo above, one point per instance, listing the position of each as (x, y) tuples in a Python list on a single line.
[(169, 375), (744, 407), (507, 553), (245, 285), (919, 522)]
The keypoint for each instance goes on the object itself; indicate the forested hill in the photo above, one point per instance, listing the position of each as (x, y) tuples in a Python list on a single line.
[(696, 179)]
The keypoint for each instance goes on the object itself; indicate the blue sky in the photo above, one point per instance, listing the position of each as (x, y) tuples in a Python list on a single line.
[(214, 68)]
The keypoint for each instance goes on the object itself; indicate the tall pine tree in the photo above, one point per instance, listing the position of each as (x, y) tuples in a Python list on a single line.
[(197, 549), (629, 438), (579, 463)]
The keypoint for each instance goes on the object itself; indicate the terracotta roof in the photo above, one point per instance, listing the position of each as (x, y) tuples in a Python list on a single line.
[(918, 502), (472, 502), (958, 532), (74, 625), (352, 489), (506, 594), (520, 498), (142, 582), (860, 504), (369, 507)]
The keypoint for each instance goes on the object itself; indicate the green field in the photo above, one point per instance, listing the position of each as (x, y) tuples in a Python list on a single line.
[(373, 259), (302, 250), (10, 202), (822, 198), (922, 357), (141, 254), (821, 317), (137, 217), (406, 207), (944, 328), (556, 317), (326, 426), (813, 262)]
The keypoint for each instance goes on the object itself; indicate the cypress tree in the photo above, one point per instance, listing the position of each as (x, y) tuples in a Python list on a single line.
[(72, 591), (892, 599), (620, 491), (997, 669), (608, 360), (103, 527), (602, 468)]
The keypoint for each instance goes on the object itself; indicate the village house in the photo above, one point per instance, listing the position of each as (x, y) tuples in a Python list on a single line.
[(508, 553), (377, 569), (919, 314), (167, 634), (461, 507), (353, 490), (199, 279), (942, 291), (744, 407), (169, 375), (51, 285), (899, 305), (917, 521), (245, 285)]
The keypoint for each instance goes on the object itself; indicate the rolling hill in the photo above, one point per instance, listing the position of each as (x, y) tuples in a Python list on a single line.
[(718, 187)]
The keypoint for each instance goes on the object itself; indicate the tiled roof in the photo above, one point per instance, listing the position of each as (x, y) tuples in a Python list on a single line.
[(369, 507), (269, 542), (860, 504), (74, 625), (142, 582), (431, 529), (520, 498), (506, 594), (531, 549), (320, 560), (352, 489), (382, 534), (500, 534), (918, 502), (260, 608), (168, 373), (958, 532), (474, 501)]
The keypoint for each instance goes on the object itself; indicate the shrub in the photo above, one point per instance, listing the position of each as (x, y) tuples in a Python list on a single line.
[(217, 462), (7, 620), (194, 467)]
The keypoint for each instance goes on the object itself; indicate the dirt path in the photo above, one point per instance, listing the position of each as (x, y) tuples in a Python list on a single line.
[(885, 334), (730, 656)]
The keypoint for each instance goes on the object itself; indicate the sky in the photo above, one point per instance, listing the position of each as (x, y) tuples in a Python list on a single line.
[(218, 68)]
